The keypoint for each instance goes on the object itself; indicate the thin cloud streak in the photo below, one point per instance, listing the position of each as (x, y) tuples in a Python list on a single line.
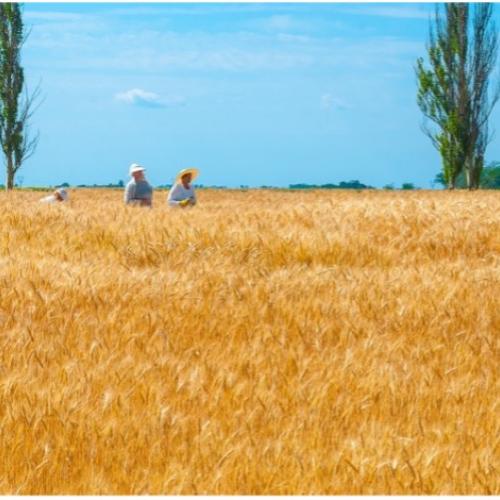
[(155, 52), (145, 99), (53, 16)]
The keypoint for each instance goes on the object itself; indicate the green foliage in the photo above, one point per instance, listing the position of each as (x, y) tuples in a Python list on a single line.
[(440, 179), (11, 78), (460, 181), (490, 176), (407, 186)]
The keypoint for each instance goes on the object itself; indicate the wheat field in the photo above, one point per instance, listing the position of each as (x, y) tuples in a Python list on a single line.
[(264, 342)]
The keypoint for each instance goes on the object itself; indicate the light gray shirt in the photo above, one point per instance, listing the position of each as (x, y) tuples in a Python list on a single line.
[(138, 192), (51, 199), (178, 193)]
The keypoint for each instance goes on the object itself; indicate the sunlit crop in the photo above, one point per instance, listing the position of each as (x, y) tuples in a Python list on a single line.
[(264, 342)]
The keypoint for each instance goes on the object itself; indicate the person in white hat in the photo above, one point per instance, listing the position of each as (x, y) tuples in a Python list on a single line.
[(57, 196), (182, 192), (138, 191)]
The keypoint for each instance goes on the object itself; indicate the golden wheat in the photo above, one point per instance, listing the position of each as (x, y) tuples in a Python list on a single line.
[(265, 342)]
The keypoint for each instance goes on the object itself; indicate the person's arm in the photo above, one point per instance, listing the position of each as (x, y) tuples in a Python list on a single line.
[(129, 193), (172, 195)]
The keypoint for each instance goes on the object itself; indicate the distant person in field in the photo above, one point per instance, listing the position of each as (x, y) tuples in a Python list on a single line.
[(59, 195), (182, 192), (138, 191)]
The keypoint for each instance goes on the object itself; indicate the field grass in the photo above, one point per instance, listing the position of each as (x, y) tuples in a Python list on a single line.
[(262, 343)]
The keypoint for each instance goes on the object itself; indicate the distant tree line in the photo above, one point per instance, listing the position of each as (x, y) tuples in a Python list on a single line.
[(121, 184), (490, 179), (110, 185), (355, 184)]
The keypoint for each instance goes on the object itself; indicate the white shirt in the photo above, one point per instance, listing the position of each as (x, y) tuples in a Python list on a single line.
[(51, 199), (178, 193)]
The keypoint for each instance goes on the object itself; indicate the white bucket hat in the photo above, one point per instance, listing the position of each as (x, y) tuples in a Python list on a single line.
[(193, 171), (62, 193), (135, 168)]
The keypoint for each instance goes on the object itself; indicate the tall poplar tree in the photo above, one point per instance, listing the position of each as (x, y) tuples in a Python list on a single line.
[(454, 93), (15, 108)]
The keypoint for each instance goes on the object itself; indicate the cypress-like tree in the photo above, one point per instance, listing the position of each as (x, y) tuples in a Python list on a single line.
[(15, 110)]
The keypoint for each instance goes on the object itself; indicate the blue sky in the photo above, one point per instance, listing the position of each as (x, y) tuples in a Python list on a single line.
[(252, 94)]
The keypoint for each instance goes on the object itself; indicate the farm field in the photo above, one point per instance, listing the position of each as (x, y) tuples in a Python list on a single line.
[(264, 342)]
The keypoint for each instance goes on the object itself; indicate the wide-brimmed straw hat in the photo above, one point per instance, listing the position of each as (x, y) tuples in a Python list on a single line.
[(191, 170), (135, 168)]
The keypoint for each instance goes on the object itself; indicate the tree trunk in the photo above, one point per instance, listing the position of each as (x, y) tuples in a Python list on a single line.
[(10, 174), (478, 170), (468, 176), (452, 180)]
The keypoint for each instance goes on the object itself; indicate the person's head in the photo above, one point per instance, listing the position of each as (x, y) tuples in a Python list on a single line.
[(186, 179), (137, 172), (186, 176), (61, 194)]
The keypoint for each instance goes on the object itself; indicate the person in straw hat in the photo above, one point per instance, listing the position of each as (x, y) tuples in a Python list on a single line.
[(138, 191), (182, 192), (57, 196)]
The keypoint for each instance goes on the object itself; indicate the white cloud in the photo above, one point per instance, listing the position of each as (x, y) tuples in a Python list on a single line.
[(328, 101), (143, 98)]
